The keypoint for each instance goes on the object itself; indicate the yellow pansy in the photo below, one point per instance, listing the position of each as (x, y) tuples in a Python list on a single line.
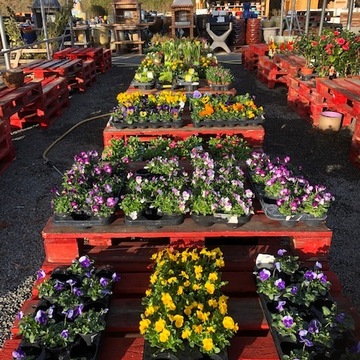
[(144, 324), (213, 276), (179, 321), (228, 323), (210, 288), (164, 335), (198, 329), (160, 325), (208, 344), (186, 334)]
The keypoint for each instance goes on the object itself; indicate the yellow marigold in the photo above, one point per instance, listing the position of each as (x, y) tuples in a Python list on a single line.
[(219, 263), (213, 276), (194, 256), (228, 323), (179, 321), (160, 325), (144, 324), (164, 335), (210, 288), (208, 344), (153, 278), (186, 334)]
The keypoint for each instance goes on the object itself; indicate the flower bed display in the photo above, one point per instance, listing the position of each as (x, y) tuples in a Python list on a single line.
[(185, 309), (143, 111), (306, 323), (69, 318), (89, 192), (224, 110), (286, 196)]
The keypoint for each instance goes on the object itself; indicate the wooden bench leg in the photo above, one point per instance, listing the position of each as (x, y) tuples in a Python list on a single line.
[(312, 246), (61, 250)]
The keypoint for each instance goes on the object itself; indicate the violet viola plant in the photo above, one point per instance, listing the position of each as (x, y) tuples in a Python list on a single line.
[(301, 311), (90, 187), (293, 193)]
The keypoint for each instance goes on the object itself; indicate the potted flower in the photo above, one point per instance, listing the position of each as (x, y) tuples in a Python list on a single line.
[(218, 77), (218, 191), (90, 191), (163, 194), (224, 109), (144, 78), (140, 110), (185, 292), (304, 319), (189, 79)]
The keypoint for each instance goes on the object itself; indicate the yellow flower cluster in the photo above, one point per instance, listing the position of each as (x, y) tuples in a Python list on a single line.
[(184, 302)]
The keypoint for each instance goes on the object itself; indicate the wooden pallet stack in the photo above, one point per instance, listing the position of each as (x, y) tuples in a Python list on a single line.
[(7, 151), (250, 55), (47, 107), (100, 56), (304, 98)]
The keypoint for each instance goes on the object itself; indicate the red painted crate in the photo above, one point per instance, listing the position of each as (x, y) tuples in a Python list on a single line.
[(7, 150), (86, 77), (269, 73)]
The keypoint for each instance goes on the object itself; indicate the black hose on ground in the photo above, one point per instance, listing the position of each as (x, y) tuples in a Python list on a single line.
[(47, 150)]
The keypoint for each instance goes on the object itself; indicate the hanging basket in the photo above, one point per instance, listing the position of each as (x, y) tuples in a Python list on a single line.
[(13, 78)]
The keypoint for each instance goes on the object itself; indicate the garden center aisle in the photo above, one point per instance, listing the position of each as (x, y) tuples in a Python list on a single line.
[(26, 184)]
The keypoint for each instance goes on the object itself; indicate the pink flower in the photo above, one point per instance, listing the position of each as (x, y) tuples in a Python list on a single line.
[(341, 41)]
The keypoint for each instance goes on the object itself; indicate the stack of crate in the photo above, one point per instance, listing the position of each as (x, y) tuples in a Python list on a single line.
[(7, 151), (47, 107)]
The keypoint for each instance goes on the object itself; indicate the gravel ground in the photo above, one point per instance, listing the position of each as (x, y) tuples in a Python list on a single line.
[(25, 185)]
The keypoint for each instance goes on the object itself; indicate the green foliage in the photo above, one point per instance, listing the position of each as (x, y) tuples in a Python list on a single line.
[(12, 29)]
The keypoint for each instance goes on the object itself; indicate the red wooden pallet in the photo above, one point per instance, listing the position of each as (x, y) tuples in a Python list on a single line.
[(305, 100), (7, 150), (13, 100), (64, 243), (254, 135), (121, 339), (87, 76), (106, 61), (290, 63), (343, 95), (48, 107), (269, 73)]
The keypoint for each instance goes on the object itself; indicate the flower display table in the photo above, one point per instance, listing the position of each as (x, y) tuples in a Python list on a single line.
[(63, 243)]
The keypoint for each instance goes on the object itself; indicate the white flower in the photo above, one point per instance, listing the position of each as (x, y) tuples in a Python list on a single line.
[(133, 215)]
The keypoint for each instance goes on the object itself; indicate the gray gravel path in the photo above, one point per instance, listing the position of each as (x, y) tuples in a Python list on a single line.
[(25, 186)]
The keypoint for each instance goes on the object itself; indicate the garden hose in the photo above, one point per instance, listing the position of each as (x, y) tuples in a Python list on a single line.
[(46, 160)]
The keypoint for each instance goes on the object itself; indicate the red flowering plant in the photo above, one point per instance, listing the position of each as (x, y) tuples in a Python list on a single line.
[(330, 52)]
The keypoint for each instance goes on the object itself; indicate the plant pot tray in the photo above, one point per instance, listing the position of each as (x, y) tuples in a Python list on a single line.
[(146, 125), (271, 211), (229, 123), (81, 221), (155, 222)]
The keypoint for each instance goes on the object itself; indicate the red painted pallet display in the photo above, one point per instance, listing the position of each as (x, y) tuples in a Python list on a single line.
[(101, 57), (290, 63), (7, 151), (86, 77), (46, 109), (304, 98), (13, 100), (342, 94), (251, 55), (269, 72)]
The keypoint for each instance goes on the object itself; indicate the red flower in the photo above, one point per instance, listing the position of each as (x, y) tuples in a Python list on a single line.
[(323, 37), (314, 43), (336, 33), (341, 41), (346, 46)]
